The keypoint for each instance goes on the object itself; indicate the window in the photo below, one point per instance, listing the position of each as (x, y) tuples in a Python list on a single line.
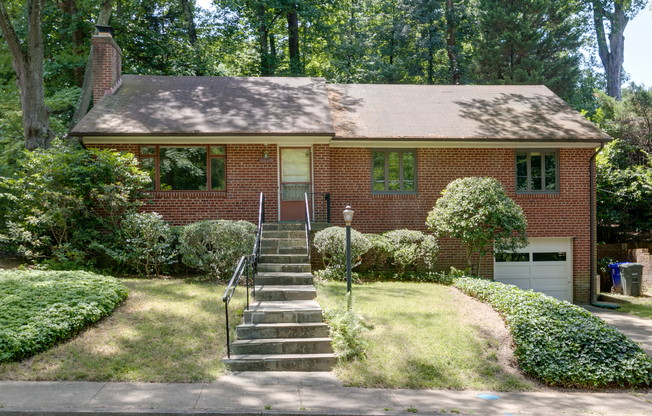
[(185, 168), (393, 171), (537, 171), (549, 256), (511, 257)]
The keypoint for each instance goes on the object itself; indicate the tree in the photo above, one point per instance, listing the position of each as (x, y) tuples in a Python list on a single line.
[(611, 48), (530, 42), (28, 64), (479, 213)]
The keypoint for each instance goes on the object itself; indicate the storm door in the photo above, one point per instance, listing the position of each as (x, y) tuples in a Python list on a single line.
[(295, 181)]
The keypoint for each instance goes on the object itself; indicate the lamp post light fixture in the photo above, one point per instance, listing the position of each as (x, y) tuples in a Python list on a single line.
[(348, 218)]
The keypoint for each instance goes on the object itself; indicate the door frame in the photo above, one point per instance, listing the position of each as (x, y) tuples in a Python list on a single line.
[(278, 175)]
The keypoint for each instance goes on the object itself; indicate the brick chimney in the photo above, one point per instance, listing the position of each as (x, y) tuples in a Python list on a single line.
[(107, 63)]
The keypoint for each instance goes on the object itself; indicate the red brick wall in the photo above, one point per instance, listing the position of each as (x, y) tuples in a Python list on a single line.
[(246, 178), (107, 65), (561, 215), (346, 174)]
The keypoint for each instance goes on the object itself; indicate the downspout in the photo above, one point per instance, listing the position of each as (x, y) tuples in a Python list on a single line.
[(592, 299)]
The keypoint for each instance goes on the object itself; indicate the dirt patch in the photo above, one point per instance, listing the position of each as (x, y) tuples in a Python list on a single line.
[(10, 262), (493, 329)]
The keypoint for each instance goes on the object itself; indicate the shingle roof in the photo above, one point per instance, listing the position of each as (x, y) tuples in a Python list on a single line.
[(444, 112), (159, 105)]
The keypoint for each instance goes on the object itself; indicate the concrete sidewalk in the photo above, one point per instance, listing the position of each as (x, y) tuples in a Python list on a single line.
[(295, 394), (634, 327)]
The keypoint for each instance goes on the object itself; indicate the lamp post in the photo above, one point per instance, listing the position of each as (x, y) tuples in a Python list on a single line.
[(348, 217)]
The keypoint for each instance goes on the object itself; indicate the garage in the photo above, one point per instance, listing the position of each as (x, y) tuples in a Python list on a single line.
[(546, 266)]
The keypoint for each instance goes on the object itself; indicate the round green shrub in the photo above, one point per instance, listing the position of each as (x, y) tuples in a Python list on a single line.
[(331, 244), (145, 244), (215, 247), (40, 308), (408, 247)]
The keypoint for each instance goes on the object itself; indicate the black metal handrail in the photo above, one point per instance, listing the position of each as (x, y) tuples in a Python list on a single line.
[(307, 218), (322, 206), (246, 263)]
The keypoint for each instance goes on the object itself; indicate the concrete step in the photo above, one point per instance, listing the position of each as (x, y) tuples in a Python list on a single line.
[(284, 250), (280, 330), (284, 258), (284, 234), (284, 242), (281, 278), (281, 362), (296, 311), (282, 346), (284, 267), (284, 226), (285, 292)]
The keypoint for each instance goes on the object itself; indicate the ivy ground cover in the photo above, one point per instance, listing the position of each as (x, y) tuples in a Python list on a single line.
[(40, 308), (560, 343)]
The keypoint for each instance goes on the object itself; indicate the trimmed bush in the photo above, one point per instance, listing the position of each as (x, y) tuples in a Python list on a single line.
[(146, 243), (215, 247), (408, 247), (560, 343), (331, 244), (377, 257), (40, 308)]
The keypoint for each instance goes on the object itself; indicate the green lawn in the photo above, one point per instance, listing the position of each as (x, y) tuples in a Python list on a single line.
[(166, 331), (640, 306), (421, 339)]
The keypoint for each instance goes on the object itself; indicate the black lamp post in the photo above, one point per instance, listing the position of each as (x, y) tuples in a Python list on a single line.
[(348, 217)]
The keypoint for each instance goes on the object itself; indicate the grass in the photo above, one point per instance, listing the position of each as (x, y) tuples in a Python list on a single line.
[(166, 331), (636, 305), (419, 340)]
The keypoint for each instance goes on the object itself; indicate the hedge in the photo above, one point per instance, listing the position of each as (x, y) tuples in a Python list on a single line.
[(560, 343), (40, 308)]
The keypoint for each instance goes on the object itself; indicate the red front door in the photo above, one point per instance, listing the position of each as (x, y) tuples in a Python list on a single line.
[(295, 182)]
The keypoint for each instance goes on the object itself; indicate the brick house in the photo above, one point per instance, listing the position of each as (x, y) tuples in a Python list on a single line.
[(212, 144)]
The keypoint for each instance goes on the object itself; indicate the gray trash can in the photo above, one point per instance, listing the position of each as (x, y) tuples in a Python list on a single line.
[(631, 274)]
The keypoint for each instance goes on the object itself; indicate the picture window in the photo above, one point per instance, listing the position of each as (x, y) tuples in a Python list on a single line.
[(185, 168)]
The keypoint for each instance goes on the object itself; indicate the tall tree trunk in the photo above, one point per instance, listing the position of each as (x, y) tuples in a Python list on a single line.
[(453, 58), (612, 54), (293, 42), (262, 40), (28, 64), (190, 21), (86, 94)]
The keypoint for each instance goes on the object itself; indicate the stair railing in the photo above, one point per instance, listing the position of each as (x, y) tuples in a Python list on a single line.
[(305, 197), (247, 264)]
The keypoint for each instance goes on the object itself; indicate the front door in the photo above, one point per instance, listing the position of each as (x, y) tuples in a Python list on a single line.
[(295, 181)]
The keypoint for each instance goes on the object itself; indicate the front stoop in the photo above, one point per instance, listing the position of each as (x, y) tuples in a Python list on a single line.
[(283, 330)]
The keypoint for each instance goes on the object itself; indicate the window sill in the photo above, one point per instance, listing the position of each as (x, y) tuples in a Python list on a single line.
[(537, 195), (184, 194), (412, 195)]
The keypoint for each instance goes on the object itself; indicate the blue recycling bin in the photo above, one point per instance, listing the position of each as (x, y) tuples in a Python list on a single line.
[(615, 276)]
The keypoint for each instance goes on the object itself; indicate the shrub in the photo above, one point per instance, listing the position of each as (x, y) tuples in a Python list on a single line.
[(331, 244), (63, 196), (407, 247), (215, 247), (479, 212), (346, 327), (41, 308), (560, 343), (146, 243), (377, 257)]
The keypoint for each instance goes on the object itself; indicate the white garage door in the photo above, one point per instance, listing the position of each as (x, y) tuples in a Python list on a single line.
[(545, 266)]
